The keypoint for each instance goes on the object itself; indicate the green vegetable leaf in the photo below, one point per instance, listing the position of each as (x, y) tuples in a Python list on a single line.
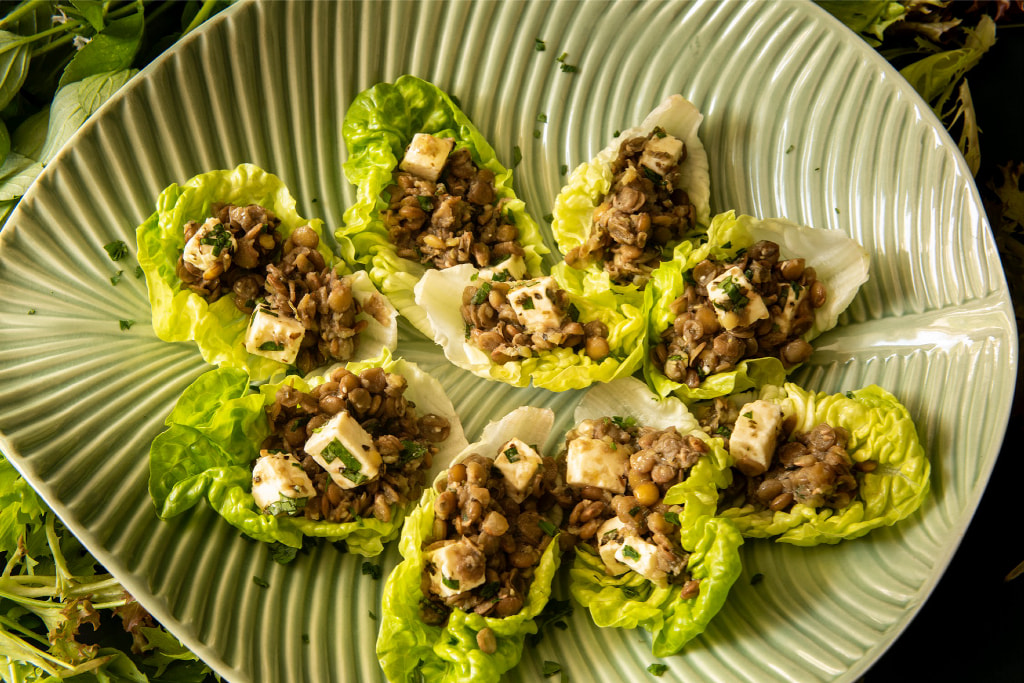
[(91, 11), (112, 49), (75, 103), (14, 62), (16, 175)]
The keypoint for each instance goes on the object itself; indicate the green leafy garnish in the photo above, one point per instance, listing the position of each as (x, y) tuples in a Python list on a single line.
[(335, 450), (548, 528), (286, 505), (481, 293), (271, 346), (657, 669), (451, 583), (630, 552), (116, 250), (372, 570), (512, 454), (551, 668), (260, 581), (125, 324)]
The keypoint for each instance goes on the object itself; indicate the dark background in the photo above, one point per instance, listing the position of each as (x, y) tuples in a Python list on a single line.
[(972, 626)]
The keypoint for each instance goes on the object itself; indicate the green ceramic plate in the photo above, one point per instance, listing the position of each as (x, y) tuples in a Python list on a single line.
[(802, 120)]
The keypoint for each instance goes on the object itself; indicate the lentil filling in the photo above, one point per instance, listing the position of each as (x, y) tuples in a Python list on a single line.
[(517, 320), (240, 250), (643, 214), (492, 523), (754, 306), (406, 442), (452, 218), (627, 519)]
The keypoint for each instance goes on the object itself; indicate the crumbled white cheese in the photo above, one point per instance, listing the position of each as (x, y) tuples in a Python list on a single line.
[(596, 462), (736, 302), (279, 478), (622, 550), (608, 543), (794, 295), (534, 306), (512, 268), (345, 450), (456, 568), (274, 336), (662, 154), (426, 156), (518, 464), (754, 437), (212, 244)]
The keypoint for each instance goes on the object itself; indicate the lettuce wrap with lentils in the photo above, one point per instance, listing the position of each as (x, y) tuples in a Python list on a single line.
[(217, 428), (673, 613), (889, 463), (408, 648), (581, 206), (560, 368), (219, 328), (840, 263), (378, 127)]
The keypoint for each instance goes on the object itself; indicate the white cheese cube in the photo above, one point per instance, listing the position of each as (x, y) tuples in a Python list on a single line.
[(345, 450), (274, 336), (795, 294), (662, 154), (596, 462), (518, 464), (212, 244), (642, 557), (456, 568), (754, 437), (512, 268), (609, 540), (426, 156), (735, 301), (280, 484), (535, 307)]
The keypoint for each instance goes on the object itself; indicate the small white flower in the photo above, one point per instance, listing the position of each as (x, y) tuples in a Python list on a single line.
[(80, 41), (59, 18)]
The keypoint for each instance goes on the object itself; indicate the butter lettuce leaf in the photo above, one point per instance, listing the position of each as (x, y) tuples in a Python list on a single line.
[(590, 182), (215, 431), (439, 294), (378, 126), (218, 329), (882, 432), (631, 601), (841, 264)]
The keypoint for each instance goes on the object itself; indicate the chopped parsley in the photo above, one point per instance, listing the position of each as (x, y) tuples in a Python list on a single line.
[(305, 639), (372, 570), (633, 512), (672, 518), (116, 277), (116, 250), (551, 668), (548, 528), (271, 346), (451, 583), (549, 217), (574, 313), (657, 669), (517, 156), (624, 422), (653, 176), (31, 311), (563, 169), (260, 581), (630, 552), (335, 450), (490, 589), (411, 450), (539, 45), (425, 203), (756, 579), (139, 273), (281, 553), (527, 303), (371, 614), (481, 293), (285, 505), (749, 415), (542, 118), (732, 289), (790, 149), (126, 324), (849, 394), (218, 238), (512, 453), (536, 134), (723, 431)]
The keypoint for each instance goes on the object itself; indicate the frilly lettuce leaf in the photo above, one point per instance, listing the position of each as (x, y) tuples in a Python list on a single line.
[(841, 264), (219, 328), (439, 294), (378, 126), (407, 647), (215, 431), (631, 601), (590, 182), (881, 431)]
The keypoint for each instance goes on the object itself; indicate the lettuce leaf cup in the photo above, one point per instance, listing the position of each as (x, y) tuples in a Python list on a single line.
[(615, 349), (842, 464), (202, 307), (620, 214), (652, 554), (772, 286), (342, 456), (382, 130), (445, 618)]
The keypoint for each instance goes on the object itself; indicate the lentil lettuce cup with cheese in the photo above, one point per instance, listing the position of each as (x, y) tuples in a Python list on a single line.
[(230, 265), (480, 553), (651, 554), (812, 467), (342, 456), (430, 193), (739, 309)]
